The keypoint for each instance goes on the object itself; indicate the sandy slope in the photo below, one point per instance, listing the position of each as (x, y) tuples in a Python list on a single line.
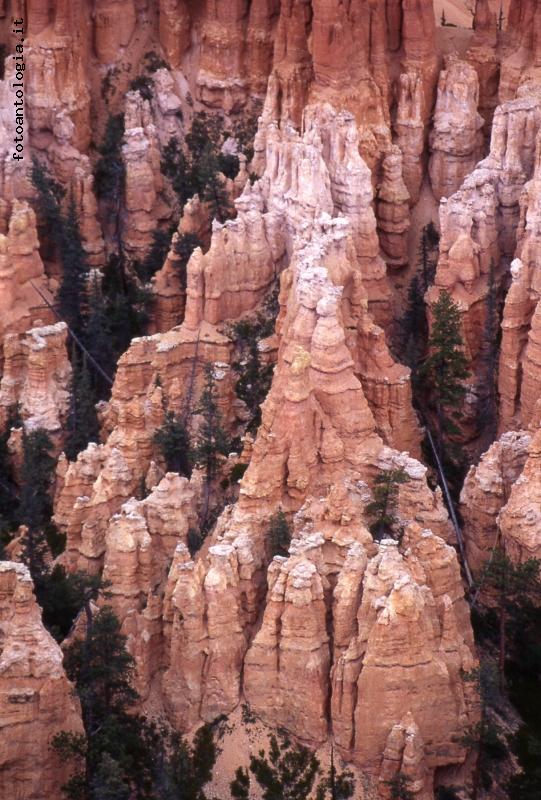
[(456, 11)]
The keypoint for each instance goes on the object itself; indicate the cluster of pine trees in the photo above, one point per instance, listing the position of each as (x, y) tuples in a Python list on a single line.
[(80, 303)]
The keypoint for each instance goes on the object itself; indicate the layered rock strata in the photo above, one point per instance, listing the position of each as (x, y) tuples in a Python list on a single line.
[(479, 228), (140, 544), (486, 491), (519, 369), (22, 275), (519, 519), (318, 440), (158, 372), (36, 378), (36, 698), (456, 139)]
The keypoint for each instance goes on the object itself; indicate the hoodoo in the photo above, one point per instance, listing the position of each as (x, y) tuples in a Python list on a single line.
[(270, 370)]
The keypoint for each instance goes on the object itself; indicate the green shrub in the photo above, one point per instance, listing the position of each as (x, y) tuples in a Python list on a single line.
[(144, 85), (279, 534), (173, 443)]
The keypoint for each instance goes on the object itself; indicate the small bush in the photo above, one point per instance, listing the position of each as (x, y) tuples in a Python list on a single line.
[(184, 246), (195, 540), (174, 444), (155, 258), (154, 62), (144, 85), (382, 509), (228, 164), (237, 472), (109, 172), (279, 534)]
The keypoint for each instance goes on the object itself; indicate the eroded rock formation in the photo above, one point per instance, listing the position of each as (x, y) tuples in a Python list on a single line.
[(36, 698), (486, 491), (519, 519), (342, 635), (140, 545), (21, 272), (456, 137), (36, 378)]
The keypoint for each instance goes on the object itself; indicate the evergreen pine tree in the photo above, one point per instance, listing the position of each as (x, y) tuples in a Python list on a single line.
[(485, 737), (517, 587), (110, 171), (254, 376), (174, 444), (414, 326), (487, 391), (71, 292), (254, 381), (429, 242), (240, 786), (63, 231), (121, 751), (217, 198), (50, 195), (446, 367), (97, 337), (204, 137), (188, 768), (156, 255), (35, 502), (108, 782), (8, 489), (287, 772), (212, 440), (383, 507), (279, 534), (83, 426), (64, 595), (60, 594), (336, 785), (413, 330), (174, 165), (399, 787)]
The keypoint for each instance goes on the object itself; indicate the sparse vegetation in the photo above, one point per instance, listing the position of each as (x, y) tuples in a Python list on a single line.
[(279, 534), (173, 443), (254, 375), (211, 439), (399, 787), (155, 258), (154, 62), (446, 368), (197, 169), (83, 426), (382, 509), (144, 85), (110, 172), (289, 772), (121, 754), (184, 246)]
